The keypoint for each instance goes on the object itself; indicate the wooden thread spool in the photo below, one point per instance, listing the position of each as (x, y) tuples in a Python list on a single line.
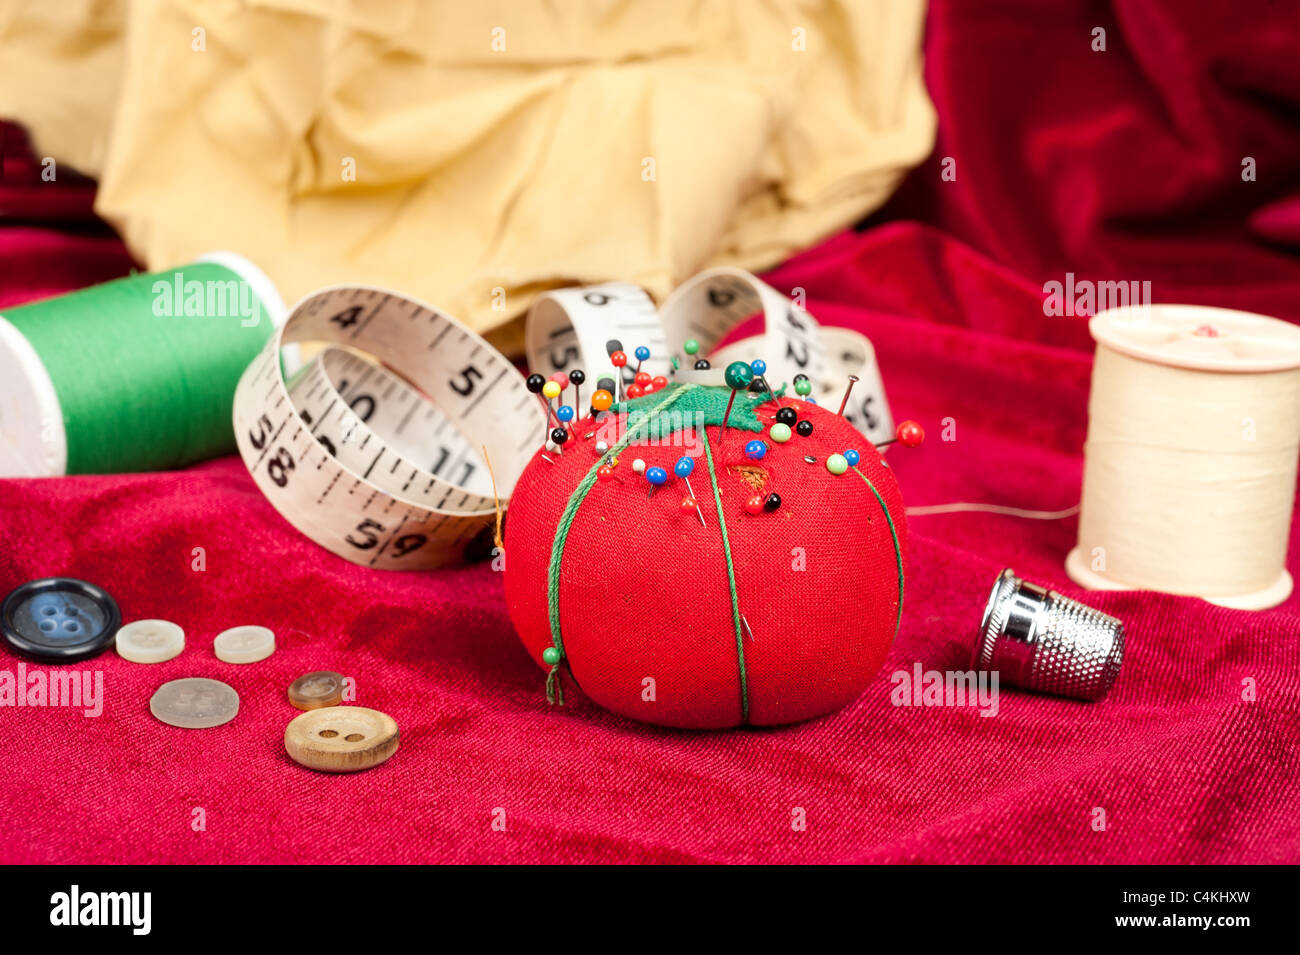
[(1190, 463)]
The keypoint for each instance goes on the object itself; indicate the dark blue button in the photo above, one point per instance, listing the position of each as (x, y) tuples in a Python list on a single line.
[(59, 619)]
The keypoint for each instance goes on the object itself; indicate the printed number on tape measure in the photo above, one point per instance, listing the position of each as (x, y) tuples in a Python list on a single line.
[(569, 328), (714, 303)]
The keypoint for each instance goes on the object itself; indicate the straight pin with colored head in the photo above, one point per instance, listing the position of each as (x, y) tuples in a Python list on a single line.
[(535, 383), (759, 368), (684, 467), (690, 348), (615, 347), (908, 433), (738, 375), (565, 414), (619, 360), (601, 399), (576, 378), (657, 478), (551, 390)]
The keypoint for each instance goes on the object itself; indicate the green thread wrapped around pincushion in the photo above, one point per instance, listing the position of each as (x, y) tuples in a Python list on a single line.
[(701, 405)]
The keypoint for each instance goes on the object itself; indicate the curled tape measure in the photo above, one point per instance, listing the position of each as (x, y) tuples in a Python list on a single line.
[(569, 328), (844, 353), (713, 303), (372, 451), (348, 402), (374, 448)]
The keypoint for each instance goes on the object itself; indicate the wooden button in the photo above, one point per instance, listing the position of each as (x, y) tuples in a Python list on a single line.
[(311, 691), (341, 739)]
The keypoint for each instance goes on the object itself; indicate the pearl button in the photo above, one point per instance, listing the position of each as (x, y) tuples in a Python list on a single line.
[(150, 641), (244, 644), (195, 703)]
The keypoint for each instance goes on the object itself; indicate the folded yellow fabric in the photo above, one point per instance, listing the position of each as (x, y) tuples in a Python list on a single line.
[(474, 153)]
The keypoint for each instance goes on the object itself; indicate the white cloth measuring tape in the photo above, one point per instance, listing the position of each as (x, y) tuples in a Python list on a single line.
[(376, 497), (374, 449), (1190, 473), (571, 326)]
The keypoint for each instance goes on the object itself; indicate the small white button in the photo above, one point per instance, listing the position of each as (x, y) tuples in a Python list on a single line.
[(150, 641), (244, 644)]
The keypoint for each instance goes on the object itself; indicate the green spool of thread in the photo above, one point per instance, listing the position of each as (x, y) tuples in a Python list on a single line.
[(138, 374)]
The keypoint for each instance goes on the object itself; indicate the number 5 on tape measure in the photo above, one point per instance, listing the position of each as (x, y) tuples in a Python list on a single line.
[(373, 449)]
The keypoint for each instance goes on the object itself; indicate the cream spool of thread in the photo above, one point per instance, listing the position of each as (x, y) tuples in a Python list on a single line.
[(1190, 463)]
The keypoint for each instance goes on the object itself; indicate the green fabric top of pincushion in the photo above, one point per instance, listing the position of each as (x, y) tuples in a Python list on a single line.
[(700, 403)]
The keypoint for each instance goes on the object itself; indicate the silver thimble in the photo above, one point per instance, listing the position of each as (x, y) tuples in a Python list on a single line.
[(1038, 640)]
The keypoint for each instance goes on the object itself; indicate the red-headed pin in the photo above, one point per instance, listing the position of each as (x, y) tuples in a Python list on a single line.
[(908, 433), (619, 360), (684, 467)]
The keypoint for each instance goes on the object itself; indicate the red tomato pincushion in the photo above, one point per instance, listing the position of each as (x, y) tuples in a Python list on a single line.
[(769, 613)]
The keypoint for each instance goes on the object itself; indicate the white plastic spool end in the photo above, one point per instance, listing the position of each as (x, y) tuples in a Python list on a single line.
[(33, 442)]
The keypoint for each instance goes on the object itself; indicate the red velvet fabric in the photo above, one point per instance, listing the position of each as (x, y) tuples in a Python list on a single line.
[(1115, 165)]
